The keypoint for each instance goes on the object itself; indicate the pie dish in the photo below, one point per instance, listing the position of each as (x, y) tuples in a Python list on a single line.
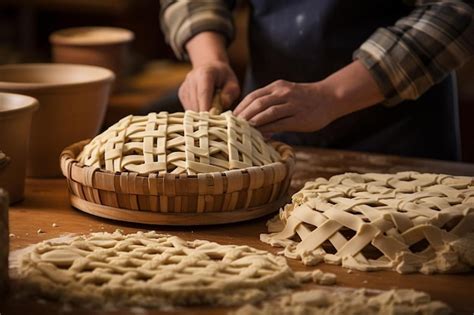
[(180, 168), (408, 222)]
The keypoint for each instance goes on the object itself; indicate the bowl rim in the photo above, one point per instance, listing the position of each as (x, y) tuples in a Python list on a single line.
[(29, 104), (58, 38), (106, 75)]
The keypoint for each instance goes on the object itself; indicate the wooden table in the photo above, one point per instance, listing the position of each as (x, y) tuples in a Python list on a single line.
[(47, 202)]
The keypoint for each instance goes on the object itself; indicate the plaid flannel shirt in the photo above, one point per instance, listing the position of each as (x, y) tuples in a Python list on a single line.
[(405, 59)]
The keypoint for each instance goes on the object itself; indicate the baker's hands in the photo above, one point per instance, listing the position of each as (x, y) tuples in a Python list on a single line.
[(197, 90), (287, 106), (211, 71), (305, 107)]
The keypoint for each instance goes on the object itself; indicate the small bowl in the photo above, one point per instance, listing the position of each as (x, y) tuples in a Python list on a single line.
[(16, 112), (98, 46), (73, 101)]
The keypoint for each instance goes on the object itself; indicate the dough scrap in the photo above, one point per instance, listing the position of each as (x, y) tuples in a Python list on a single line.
[(316, 276), (408, 222), (148, 269), (325, 302), (178, 143)]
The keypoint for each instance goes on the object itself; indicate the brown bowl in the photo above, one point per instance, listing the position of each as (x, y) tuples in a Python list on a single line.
[(73, 100), (16, 112), (99, 46)]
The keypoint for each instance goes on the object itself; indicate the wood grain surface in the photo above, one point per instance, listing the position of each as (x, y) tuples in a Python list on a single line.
[(46, 203)]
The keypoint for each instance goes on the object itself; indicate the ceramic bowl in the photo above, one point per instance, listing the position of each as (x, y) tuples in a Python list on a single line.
[(16, 112), (73, 101), (106, 47)]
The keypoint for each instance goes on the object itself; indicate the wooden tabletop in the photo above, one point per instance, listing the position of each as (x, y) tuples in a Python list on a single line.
[(46, 202)]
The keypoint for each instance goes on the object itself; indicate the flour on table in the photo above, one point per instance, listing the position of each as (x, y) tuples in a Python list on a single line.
[(408, 222)]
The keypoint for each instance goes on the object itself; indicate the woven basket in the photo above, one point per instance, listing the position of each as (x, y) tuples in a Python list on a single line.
[(207, 198)]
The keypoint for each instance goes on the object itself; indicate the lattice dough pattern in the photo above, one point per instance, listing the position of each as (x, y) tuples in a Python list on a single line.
[(407, 221), (178, 143), (152, 270), (349, 302)]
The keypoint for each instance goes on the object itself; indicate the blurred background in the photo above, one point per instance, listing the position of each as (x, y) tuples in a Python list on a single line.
[(153, 74)]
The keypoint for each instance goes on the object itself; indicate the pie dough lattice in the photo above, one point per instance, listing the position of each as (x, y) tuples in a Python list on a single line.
[(178, 143), (407, 221), (349, 302), (152, 270)]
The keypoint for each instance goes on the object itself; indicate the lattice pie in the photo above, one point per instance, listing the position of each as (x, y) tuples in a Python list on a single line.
[(407, 221), (178, 143), (152, 270)]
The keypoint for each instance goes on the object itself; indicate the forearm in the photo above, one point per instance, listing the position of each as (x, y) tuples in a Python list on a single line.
[(207, 47), (348, 90), (182, 20)]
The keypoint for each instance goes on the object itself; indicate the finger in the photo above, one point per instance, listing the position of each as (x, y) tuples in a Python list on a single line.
[(250, 98), (192, 95), (285, 124), (271, 114), (184, 95), (230, 92), (267, 135), (205, 91), (259, 105)]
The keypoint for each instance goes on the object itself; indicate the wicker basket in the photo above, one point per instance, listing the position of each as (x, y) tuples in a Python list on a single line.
[(207, 198)]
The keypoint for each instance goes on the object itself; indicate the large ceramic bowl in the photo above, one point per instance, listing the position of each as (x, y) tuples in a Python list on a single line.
[(16, 112), (73, 100)]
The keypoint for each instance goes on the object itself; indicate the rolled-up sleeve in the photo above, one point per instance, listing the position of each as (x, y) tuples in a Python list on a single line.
[(420, 49), (182, 19)]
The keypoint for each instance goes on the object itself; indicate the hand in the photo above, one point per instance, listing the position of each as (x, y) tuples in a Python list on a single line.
[(211, 71), (287, 106), (197, 90), (305, 107)]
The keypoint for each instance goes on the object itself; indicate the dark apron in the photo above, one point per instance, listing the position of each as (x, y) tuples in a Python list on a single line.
[(307, 40)]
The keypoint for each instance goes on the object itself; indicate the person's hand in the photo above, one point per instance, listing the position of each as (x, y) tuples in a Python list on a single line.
[(304, 107), (286, 106), (197, 90)]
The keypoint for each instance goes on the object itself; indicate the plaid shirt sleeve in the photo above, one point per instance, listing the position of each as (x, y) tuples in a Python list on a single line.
[(182, 19), (420, 49)]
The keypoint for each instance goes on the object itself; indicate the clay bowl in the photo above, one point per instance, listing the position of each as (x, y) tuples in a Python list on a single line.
[(73, 100), (16, 112), (99, 46)]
